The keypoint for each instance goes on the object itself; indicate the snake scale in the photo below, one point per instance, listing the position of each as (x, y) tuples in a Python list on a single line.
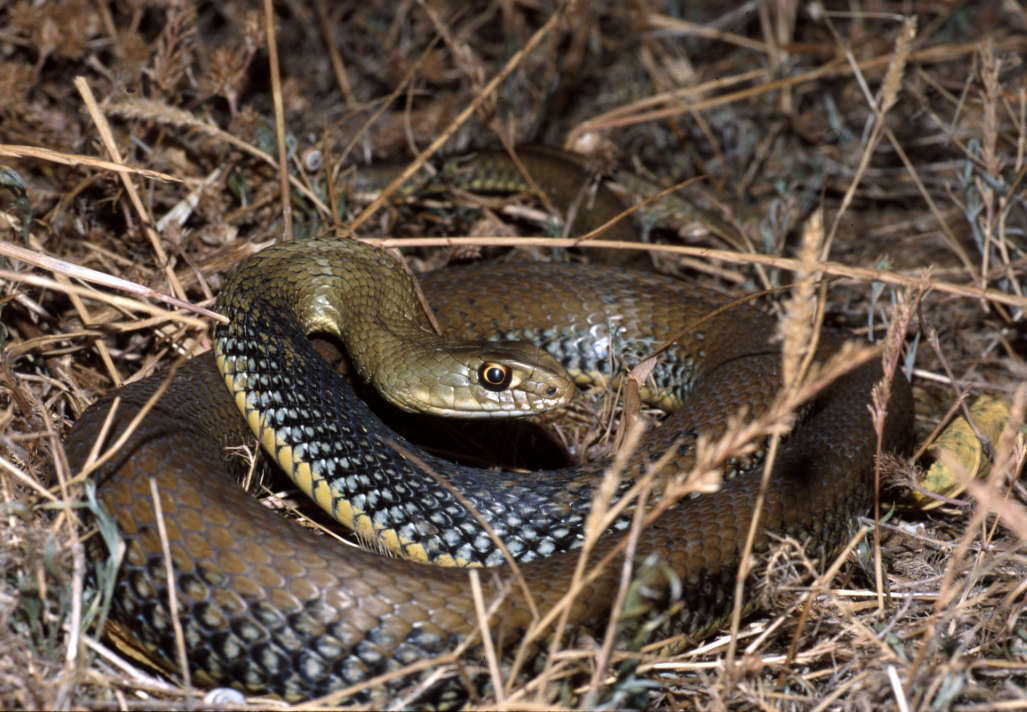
[(271, 608)]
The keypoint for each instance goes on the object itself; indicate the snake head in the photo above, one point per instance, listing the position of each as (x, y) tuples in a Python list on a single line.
[(484, 380)]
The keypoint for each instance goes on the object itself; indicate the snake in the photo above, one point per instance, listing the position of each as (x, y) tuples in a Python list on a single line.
[(272, 608)]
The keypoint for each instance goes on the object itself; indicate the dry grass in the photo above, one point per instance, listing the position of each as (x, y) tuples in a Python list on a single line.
[(156, 166)]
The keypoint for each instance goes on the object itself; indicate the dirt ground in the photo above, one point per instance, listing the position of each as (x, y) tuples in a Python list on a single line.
[(892, 134)]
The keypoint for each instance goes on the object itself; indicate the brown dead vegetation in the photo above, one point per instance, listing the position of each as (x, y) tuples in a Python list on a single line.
[(139, 140)]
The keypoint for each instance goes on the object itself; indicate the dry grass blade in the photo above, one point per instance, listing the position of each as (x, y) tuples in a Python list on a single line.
[(90, 275), (80, 160), (463, 116), (799, 329), (276, 97), (108, 138), (837, 269), (169, 568)]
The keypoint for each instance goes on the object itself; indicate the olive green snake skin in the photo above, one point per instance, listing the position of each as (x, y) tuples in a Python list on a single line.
[(271, 608)]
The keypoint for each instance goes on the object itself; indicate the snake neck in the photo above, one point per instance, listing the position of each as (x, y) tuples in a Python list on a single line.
[(364, 297), (368, 303)]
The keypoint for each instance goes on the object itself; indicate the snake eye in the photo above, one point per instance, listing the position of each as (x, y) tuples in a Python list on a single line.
[(494, 376)]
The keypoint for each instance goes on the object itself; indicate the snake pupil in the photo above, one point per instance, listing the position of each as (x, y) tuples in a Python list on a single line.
[(494, 376)]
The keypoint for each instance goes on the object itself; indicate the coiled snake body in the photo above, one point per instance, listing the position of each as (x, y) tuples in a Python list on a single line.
[(272, 608)]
